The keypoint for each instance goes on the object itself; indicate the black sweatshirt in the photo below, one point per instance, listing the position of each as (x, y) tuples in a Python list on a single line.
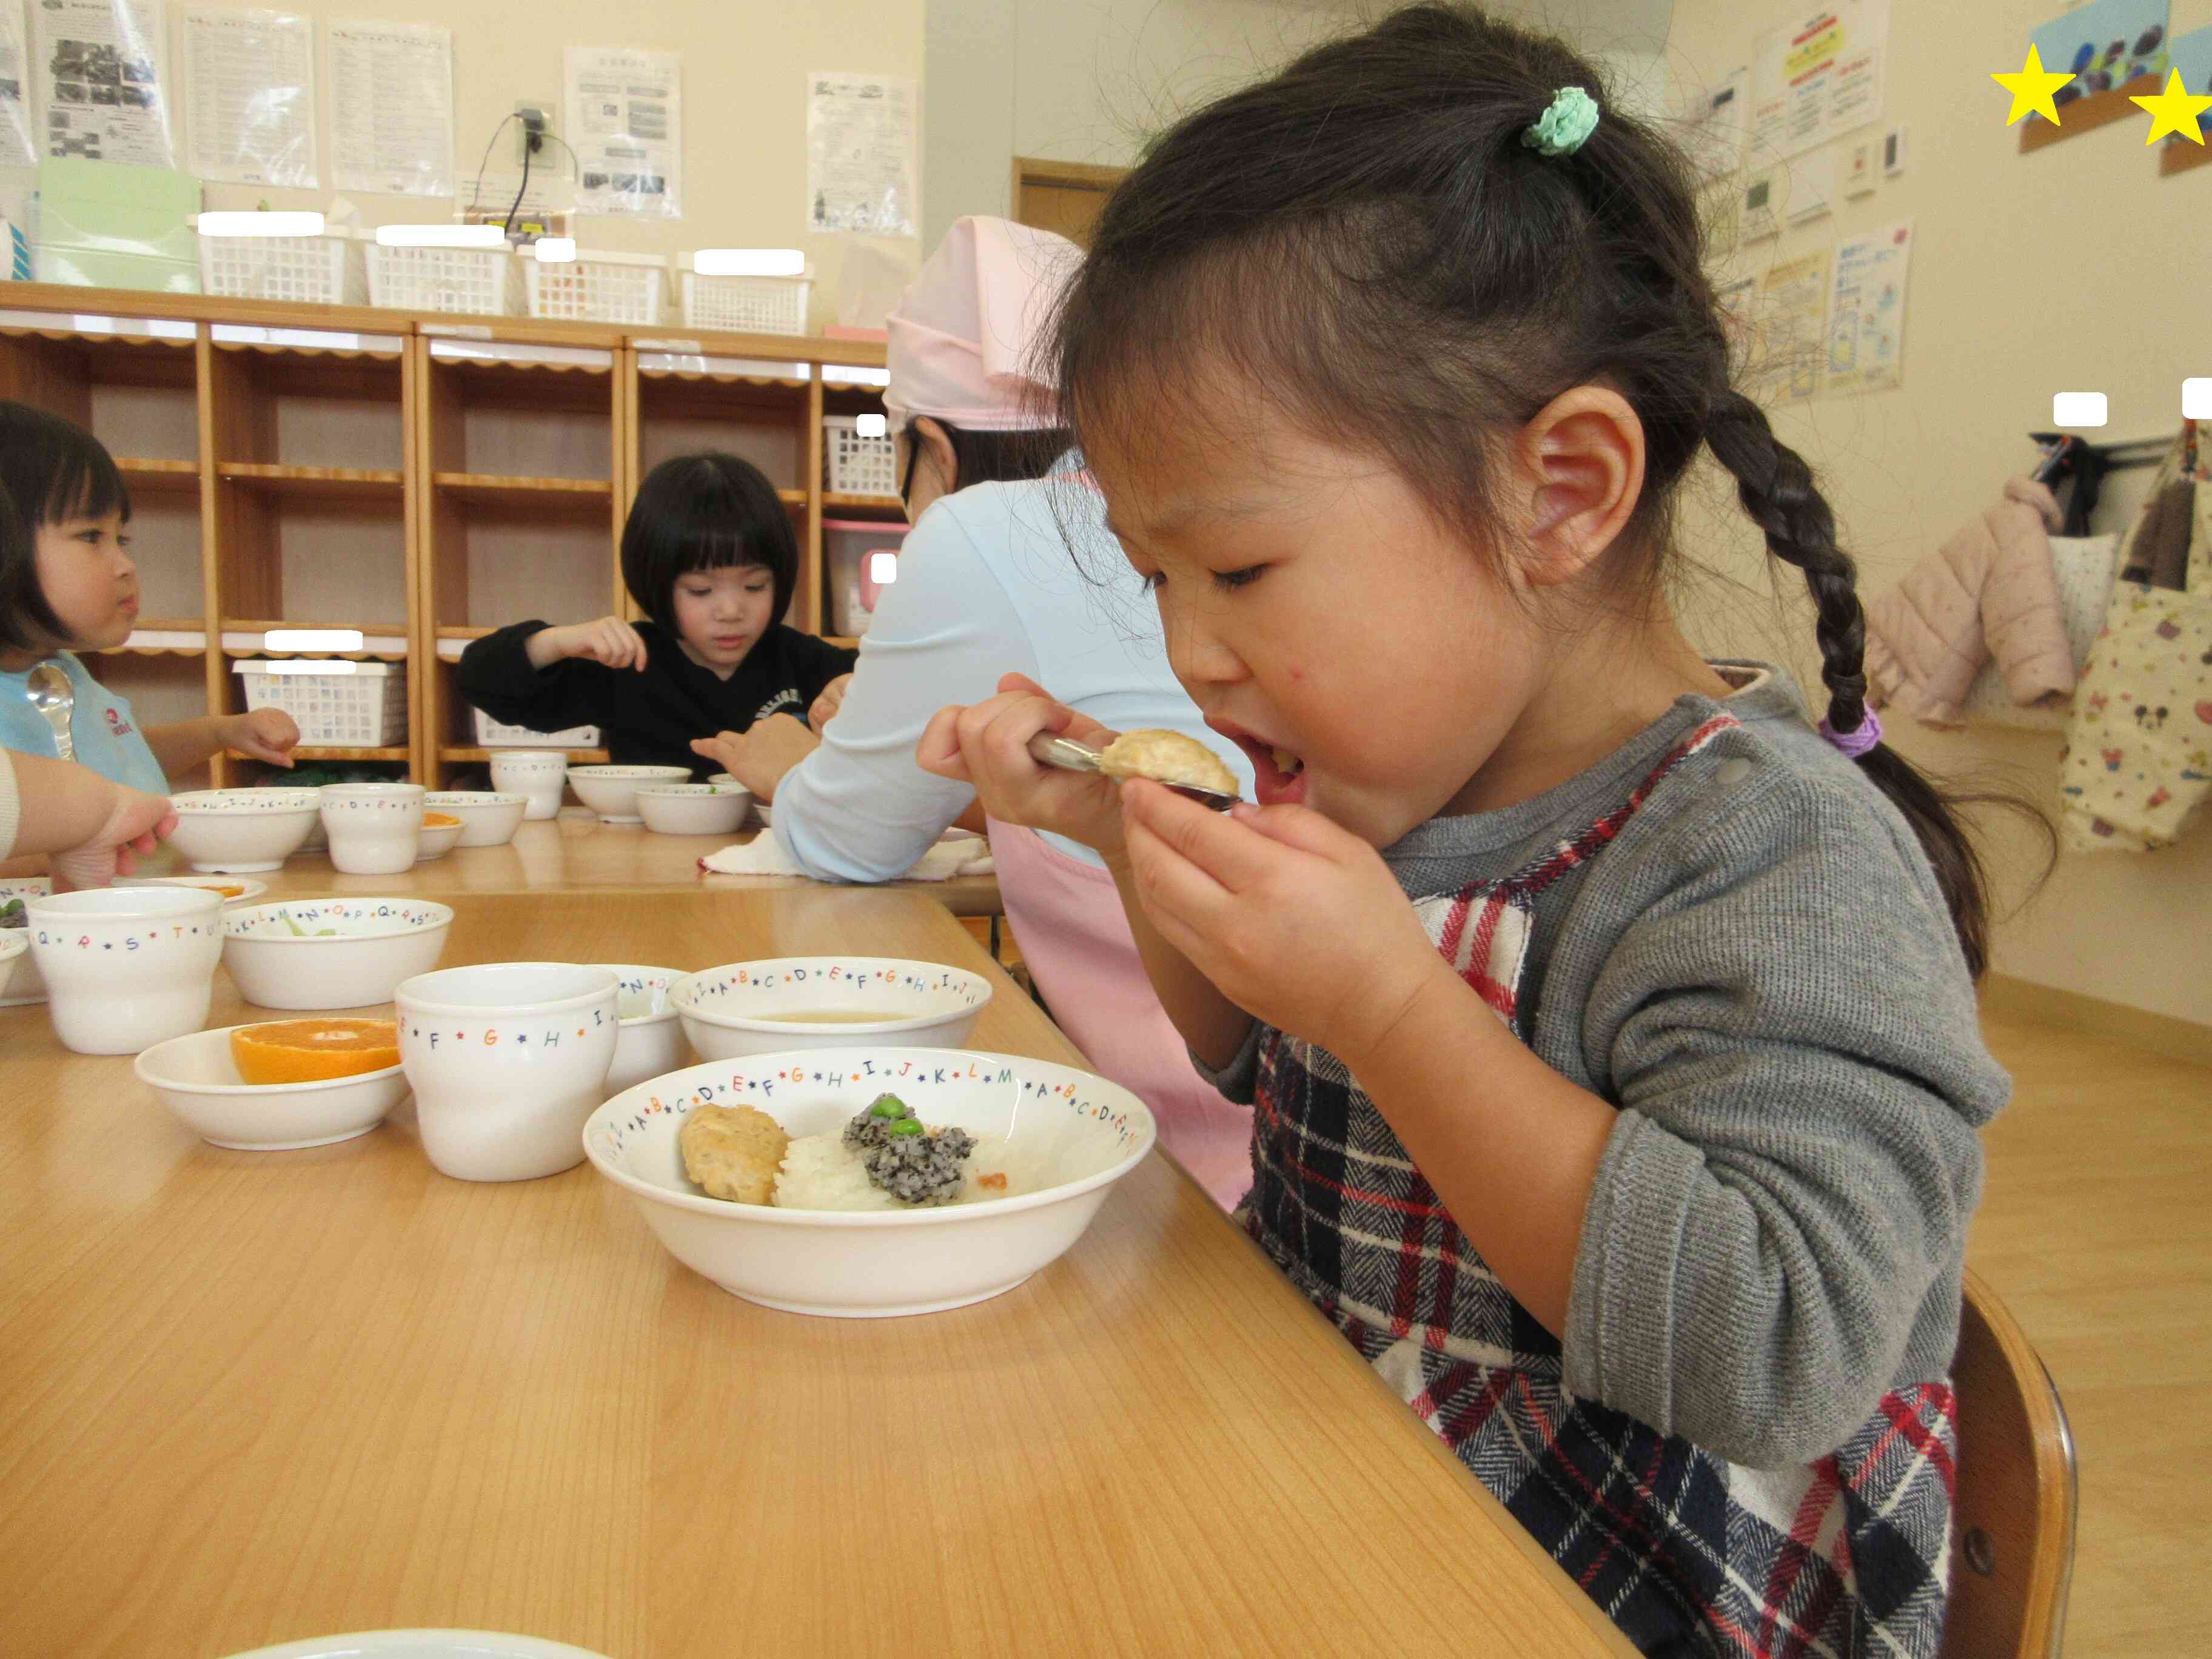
[(649, 717)]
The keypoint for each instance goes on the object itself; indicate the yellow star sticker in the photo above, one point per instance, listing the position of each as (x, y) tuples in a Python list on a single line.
[(2175, 110), (2031, 87)]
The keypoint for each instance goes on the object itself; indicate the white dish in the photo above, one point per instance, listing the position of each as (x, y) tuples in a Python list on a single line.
[(281, 956), (228, 831), (651, 1040), (196, 1080), (1081, 1131), (693, 809), (744, 1007), (248, 890), (507, 1060), (760, 809), (612, 790), (20, 984), (422, 1644), (487, 819), (126, 967), (435, 841)]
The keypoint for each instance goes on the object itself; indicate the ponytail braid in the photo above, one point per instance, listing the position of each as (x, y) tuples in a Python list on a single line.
[(1776, 488)]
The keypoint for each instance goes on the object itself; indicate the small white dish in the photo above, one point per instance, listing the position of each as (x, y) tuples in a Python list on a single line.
[(764, 1007), (537, 774), (313, 954), (126, 967), (651, 1040), (422, 1644), (232, 831), (198, 1079), (612, 790), (1077, 1133), (374, 828), (488, 818), (436, 840), (20, 984), (693, 809), (507, 1060), (760, 808), (236, 890)]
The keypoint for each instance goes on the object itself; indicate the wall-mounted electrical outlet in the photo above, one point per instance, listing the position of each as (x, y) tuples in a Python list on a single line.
[(533, 121), (1893, 152)]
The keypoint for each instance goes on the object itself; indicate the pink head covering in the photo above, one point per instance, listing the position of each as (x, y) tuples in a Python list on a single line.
[(965, 342)]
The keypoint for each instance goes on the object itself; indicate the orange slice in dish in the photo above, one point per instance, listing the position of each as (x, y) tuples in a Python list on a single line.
[(314, 1050), (439, 820)]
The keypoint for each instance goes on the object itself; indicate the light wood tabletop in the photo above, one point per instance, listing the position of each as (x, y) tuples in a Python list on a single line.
[(247, 1398), (575, 852)]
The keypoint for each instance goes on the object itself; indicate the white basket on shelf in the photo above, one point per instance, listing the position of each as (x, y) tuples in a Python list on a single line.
[(858, 465), (480, 282), (744, 304), (598, 288), (493, 734), (327, 270), (345, 705)]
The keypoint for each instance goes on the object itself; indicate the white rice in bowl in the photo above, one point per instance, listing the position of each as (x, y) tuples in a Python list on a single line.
[(820, 1172)]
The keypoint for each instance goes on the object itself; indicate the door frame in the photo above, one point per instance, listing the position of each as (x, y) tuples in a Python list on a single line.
[(1057, 175)]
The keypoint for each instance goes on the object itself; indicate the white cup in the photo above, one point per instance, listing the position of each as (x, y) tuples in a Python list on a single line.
[(507, 1060), (540, 774), (126, 967), (373, 827)]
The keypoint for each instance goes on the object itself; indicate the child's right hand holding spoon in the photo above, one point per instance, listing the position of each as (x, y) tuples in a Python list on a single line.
[(987, 744)]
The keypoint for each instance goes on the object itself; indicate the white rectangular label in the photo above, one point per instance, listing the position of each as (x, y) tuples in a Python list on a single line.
[(2077, 408)]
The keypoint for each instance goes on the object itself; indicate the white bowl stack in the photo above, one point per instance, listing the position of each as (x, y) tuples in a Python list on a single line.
[(612, 790)]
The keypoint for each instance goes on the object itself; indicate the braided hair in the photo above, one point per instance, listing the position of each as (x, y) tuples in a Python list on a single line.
[(1366, 235)]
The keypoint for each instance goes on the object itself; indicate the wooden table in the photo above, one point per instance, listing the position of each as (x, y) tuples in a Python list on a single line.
[(252, 1397), (575, 852)]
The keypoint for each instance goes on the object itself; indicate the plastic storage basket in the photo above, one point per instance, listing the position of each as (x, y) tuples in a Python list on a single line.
[(745, 305), (850, 544), (351, 705), (482, 281), (492, 734), (598, 288), (325, 269), (858, 465)]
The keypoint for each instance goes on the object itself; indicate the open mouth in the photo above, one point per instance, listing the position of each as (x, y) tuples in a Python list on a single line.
[(1278, 774)]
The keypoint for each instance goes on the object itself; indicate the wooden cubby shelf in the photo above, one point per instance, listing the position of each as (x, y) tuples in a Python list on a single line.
[(442, 477)]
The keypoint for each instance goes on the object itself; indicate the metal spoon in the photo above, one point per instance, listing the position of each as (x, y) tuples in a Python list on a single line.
[(1049, 749), (53, 697)]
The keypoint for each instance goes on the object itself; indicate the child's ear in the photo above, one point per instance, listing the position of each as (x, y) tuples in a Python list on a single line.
[(1581, 463), (937, 448)]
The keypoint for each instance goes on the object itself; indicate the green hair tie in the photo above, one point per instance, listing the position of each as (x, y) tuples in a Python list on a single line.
[(1561, 128)]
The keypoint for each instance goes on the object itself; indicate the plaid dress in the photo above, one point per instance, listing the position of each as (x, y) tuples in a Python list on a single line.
[(1687, 1553)]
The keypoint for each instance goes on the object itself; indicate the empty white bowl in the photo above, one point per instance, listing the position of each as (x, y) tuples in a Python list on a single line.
[(487, 819), (1077, 1134), (760, 1008), (126, 967), (231, 830), (435, 841), (538, 776), (333, 952), (197, 1081), (612, 790), (650, 1041), (693, 809)]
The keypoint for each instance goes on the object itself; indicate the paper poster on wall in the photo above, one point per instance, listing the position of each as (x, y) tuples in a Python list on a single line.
[(2106, 45), (15, 150), (391, 108), (102, 76), (1762, 209), (1719, 211), (248, 81), (2192, 55), (1818, 78), (1793, 305), (1866, 310), (1737, 301), (861, 149), (1812, 188), (626, 124), (1719, 128)]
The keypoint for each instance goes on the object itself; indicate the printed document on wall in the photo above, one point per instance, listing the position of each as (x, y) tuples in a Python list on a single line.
[(391, 108), (249, 89), (1818, 78), (1866, 310), (861, 149), (626, 124), (1793, 299), (15, 150), (102, 75)]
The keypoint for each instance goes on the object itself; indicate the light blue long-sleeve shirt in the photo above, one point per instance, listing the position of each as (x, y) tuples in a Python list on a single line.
[(997, 578)]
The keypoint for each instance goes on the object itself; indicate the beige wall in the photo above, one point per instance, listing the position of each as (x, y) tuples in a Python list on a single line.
[(745, 113), (2077, 268)]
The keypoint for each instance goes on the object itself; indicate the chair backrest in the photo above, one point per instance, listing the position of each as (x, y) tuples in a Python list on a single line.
[(2012, 1543)]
